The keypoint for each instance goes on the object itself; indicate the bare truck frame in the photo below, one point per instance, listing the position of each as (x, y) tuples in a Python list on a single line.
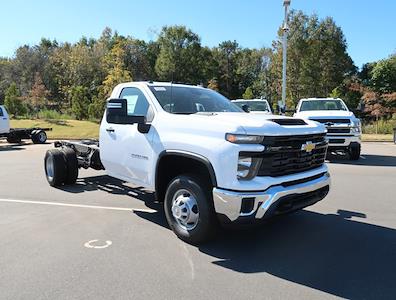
[(87, 152), (37, 135)]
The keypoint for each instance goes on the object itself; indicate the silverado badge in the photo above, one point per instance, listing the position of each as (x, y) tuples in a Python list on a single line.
[(308, 146)]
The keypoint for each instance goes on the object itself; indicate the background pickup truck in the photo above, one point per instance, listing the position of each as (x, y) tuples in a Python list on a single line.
[(343, 128), (206, 159)]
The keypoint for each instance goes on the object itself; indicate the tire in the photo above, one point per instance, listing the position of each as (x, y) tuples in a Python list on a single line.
[(354, 152), (71, 165), (12, 139), (39, 137), (55, 167), (180, 207)]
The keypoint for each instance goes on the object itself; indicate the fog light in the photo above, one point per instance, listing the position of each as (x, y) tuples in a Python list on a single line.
[(244, 165), (248, 167)]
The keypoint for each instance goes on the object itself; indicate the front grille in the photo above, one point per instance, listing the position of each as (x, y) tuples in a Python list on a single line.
[(337, 141), (338, 130), (335, 121), (283, 155)]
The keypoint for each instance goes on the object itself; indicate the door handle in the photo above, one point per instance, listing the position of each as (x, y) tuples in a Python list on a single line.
[(110, 129)]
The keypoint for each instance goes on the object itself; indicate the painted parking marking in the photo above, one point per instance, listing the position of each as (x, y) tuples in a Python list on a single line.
[(95, 244), (148, 210)]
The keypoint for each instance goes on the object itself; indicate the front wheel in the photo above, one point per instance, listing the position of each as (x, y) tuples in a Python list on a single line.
[(189, 209), (354, 152)]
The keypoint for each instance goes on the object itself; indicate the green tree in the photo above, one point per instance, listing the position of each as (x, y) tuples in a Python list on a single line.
[(317, 58), (248, 94), (383, 76), (80, 102), (180, 56), (226, 56), (13, 101), (116, 70)]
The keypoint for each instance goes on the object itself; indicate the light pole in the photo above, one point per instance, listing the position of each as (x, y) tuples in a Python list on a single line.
[(285, 29)]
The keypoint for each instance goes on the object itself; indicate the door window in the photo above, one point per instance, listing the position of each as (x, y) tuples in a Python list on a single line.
[(137, 104), (1, 112)]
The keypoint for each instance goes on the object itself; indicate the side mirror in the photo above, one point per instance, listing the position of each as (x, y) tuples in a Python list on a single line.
[(361, 106), (117, 113), (246, 108)]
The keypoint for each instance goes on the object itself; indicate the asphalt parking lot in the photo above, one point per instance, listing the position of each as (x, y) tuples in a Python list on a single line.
[(103, 239)]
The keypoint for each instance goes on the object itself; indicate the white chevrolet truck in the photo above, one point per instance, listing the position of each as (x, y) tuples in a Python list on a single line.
[(209, 162), (343, 128)]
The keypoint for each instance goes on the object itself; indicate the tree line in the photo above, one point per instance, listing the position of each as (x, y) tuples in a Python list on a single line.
[(76, 78)]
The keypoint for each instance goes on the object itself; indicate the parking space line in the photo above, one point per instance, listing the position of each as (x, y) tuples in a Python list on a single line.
[(148, 210)]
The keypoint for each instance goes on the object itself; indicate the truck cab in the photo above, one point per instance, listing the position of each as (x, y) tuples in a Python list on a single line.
[(207, 160), (4, 121), (343, 128)]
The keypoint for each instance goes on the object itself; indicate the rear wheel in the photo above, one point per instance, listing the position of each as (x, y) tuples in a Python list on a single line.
[(71, 165), (55, 167), (39, 137), (12, 139), (354, 152), (189, 209)]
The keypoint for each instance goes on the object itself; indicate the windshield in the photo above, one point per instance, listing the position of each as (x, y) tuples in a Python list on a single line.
[(322, 105), (190, 100), (254, 105)]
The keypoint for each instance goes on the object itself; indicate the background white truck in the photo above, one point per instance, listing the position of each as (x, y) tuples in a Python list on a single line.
[(343, 128), (15, 135), (255, 106), (205, 158)]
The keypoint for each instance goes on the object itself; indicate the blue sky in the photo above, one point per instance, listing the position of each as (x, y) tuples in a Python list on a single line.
[(368, 25)]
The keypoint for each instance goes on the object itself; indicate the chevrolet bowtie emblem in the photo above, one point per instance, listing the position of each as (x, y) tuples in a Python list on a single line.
[(308, 146)]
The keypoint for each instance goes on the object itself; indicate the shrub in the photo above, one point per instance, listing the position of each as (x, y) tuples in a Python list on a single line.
[(49, 114), (383, 126)]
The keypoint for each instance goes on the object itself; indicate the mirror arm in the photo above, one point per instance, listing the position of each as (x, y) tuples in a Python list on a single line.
[(143, 127)]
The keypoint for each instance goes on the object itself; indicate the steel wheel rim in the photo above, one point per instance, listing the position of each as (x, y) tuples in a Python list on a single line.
[(42, 137), (49, 168), (184, 209)]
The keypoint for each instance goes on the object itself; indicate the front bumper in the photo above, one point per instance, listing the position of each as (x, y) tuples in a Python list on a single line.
[(233, 206), (342, 141)]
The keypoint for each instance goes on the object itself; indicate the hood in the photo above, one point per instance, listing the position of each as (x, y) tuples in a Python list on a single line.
[(257, 112), (324, 114), (242, 123)]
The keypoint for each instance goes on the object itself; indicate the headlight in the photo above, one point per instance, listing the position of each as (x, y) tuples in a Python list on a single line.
[(356, 126), (248, 167), (243, 138)]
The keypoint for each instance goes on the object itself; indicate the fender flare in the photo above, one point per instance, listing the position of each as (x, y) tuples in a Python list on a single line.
[(190, 155)]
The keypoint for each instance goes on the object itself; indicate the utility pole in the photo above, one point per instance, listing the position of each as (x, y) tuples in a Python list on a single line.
[(285, 29)]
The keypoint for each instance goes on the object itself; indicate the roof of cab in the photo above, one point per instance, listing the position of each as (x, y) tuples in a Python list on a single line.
[(241, 100), (158, 83)]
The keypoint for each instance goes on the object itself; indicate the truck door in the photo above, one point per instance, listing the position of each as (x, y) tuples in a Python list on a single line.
[(125, 152), (4, 121)]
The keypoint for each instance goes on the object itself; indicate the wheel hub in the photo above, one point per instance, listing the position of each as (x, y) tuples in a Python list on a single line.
[(185, 209), (49, 167)]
